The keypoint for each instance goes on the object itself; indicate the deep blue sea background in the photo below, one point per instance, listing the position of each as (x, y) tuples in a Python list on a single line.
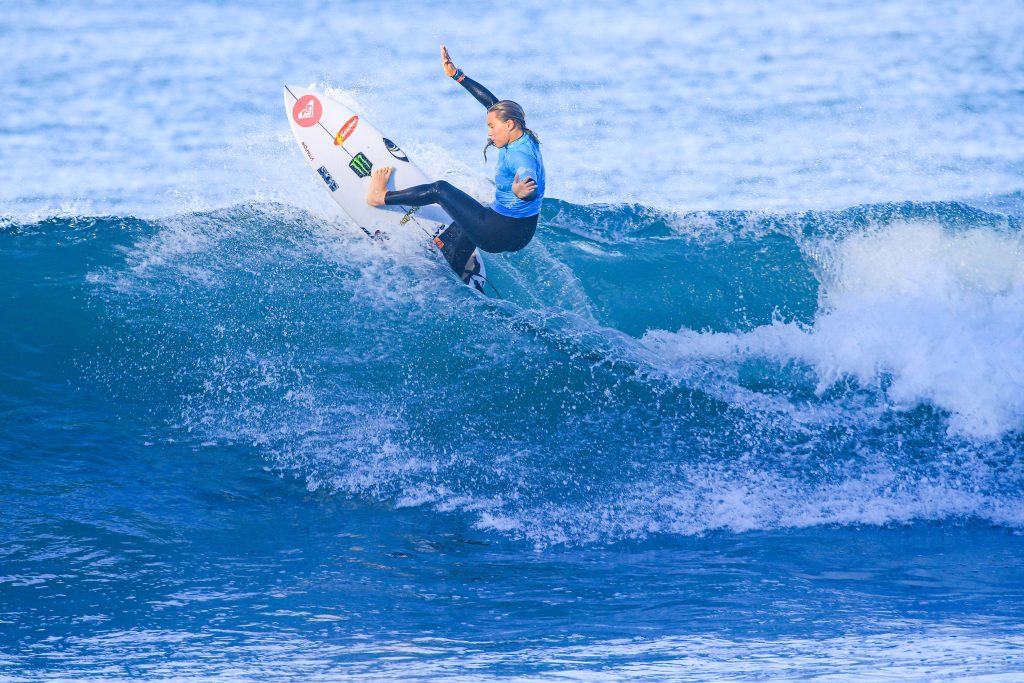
[(751, 406)]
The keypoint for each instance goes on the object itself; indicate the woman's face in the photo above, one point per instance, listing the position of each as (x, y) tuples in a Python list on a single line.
[(499, 131)]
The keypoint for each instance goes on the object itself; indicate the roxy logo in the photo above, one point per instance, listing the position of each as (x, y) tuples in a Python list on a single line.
[(307, 111)]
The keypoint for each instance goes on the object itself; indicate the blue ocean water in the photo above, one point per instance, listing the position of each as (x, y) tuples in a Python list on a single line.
[(750, 407)]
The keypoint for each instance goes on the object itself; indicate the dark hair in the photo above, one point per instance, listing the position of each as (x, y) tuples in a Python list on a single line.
[(507, 110)]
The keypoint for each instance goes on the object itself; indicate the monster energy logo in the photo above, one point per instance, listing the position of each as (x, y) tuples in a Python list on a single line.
[(360, 165)]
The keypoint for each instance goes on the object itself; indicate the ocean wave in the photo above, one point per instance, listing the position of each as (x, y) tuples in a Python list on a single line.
[(645, 373)]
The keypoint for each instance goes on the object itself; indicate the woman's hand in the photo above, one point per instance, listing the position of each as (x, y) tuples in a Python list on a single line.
[(523, 189), (449, 67)]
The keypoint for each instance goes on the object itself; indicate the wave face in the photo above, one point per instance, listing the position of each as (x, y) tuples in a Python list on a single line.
[(644, 373)]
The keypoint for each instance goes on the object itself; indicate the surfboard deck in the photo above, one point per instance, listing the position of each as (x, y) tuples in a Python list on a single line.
[(342, 148)]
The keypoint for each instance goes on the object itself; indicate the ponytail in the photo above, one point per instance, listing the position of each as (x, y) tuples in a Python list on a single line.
[(507, 110)]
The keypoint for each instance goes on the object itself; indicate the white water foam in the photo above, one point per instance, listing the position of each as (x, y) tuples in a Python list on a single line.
[(925, 314), (894, 651)]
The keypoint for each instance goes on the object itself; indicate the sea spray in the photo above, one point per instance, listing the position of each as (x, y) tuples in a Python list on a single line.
[(560, 415)]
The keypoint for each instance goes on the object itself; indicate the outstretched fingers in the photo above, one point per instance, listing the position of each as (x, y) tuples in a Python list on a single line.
[(446, 61)]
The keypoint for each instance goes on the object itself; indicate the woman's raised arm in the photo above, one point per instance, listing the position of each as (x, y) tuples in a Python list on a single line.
[(482, 94)]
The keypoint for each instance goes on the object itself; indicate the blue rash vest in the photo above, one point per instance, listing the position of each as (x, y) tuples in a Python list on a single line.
[(520, 156)]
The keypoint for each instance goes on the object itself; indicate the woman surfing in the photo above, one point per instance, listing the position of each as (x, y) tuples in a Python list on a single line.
[(509, 223)]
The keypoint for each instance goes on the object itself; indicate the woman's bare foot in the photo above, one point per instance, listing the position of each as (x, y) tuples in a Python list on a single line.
[(378, 185)]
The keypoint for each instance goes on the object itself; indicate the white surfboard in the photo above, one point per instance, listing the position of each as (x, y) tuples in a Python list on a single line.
[(343, 148)]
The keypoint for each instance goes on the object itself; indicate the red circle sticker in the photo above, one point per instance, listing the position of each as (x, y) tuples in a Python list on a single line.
[(307, 111)]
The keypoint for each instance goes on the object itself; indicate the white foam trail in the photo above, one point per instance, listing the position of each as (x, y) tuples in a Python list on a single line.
[(894, 650), (929, 315)]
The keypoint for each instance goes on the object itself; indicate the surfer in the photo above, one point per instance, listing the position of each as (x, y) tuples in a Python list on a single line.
[(509, 223)]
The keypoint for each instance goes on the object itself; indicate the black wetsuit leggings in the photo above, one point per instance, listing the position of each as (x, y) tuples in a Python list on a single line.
[(489, 230)]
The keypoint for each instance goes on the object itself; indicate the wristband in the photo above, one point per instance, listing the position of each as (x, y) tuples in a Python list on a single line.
[(458, 76)]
